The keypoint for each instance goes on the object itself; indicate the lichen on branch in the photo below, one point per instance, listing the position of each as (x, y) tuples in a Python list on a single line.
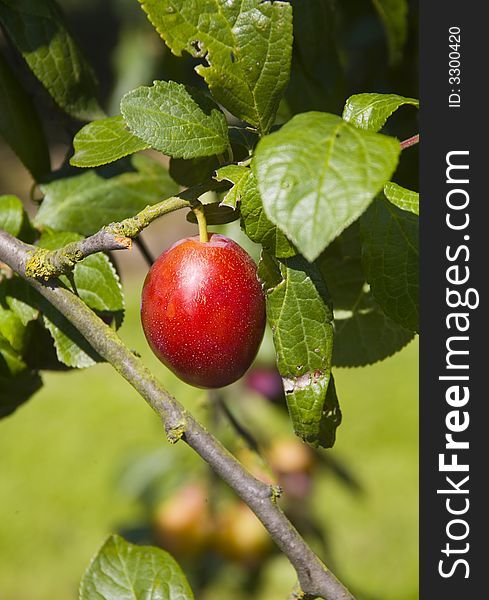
[(45, 264)]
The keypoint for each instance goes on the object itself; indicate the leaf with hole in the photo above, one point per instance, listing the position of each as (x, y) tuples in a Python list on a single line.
[(238, 176), (301, 318), (247, 46), (317, 174)]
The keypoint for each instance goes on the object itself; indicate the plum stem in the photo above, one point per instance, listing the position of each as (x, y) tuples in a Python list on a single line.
[(202, 222)]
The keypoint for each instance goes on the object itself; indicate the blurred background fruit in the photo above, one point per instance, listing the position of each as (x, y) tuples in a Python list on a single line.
[(183, 524), (241, 536)]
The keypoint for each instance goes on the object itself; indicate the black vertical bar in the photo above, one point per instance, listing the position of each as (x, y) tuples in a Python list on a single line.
[(454, 118)]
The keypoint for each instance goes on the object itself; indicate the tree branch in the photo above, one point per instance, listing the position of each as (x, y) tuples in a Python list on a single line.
[(314, 578), (45, 264)]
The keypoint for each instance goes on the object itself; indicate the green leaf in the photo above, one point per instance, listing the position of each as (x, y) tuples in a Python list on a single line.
[(371, 111), (317, 174), (401, 197), (11, 214), (301, 319), (87, 202), (393, 14), (247, 46), (20, 125), (98, 284), (363, 333), (215, 214), (255, 223), (104, 141), (38, 30), (176, 120), (391, 260), (236, 175), (123, 571)]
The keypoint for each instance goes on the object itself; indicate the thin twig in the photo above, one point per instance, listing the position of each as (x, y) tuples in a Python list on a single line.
[(410, 142), (313, 576)]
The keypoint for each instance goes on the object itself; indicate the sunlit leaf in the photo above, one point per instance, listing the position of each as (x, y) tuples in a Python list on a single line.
[(104, 141), (317, 174), (247, 47), (176, 120), (123, 571)]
